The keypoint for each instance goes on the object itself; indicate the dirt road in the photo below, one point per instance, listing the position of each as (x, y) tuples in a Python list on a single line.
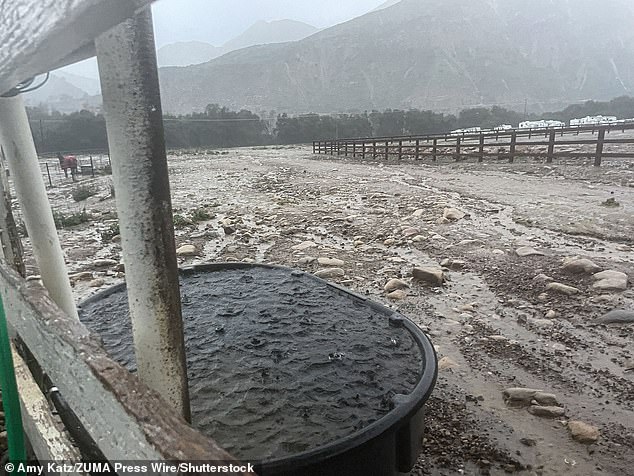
[(494, 323)]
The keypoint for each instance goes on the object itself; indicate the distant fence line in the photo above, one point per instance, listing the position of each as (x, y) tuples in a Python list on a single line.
[(508, 144), (88, 165)]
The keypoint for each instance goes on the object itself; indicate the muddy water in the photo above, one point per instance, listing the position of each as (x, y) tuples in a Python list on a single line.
[(278, 362)]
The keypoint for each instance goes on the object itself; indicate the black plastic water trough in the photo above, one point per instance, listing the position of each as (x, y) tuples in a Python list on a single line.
[(292, 373)]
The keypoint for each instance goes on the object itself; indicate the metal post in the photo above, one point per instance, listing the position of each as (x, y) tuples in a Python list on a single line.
[(551, 147), (400, 149), (387, 150), (600, 139), (374, 151), (19, 148), (457, 157), (417, 150), (132, 104), (434, 150), (92, 167)]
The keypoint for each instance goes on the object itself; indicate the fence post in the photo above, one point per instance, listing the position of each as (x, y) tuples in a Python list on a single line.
[(512, 147), (354, 148), (400, 149), (417, 150), (434, 150), (48, 174), (551, 147), (457, 155), (374, 153), (132, 104), (313, 147), (387, 150), (363, 149), (600, 139), (481, 150), (92, 167)]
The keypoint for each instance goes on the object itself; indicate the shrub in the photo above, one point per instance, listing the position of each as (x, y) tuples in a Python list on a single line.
[(83, 192), (73, 219), (110, 232)]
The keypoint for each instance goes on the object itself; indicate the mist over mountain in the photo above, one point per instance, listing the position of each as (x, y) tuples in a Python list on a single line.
[(260, 33), (432, 54)]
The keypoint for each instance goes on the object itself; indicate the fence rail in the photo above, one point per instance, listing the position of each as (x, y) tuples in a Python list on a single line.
[(507, 145)]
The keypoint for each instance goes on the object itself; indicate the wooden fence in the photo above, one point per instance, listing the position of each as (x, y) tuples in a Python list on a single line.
[(583, 141)]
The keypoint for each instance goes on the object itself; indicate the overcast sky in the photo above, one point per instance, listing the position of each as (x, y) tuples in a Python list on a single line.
[(217, 21)]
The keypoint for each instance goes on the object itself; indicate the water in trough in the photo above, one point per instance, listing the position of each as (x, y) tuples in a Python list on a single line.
[(278, 361)]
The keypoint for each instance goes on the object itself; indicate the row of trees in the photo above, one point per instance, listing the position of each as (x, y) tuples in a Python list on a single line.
[(220, 127)]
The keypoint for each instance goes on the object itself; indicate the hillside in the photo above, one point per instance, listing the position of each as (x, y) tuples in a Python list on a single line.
[(436, 54), (260, 33)]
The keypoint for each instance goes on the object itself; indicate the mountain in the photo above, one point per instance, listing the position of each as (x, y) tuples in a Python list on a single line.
[(389, 3), (263, 33), (260, 33), (62, 95), (432, 54), (185, 53)]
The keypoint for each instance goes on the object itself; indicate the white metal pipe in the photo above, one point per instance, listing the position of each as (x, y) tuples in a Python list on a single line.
[(17, 141), (130, 90)]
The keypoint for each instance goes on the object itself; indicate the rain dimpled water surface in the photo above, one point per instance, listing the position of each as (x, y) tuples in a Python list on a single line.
[(278, 362)]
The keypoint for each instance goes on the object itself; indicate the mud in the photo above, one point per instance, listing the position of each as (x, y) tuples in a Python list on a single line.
[(488, 318)]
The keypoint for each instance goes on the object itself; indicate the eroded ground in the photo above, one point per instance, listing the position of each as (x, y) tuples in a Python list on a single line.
[(488, 321)]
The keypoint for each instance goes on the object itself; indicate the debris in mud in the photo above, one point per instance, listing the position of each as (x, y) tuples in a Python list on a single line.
[(397, 295), (330, 273), (610, 280), (617, 316), (432, 276), (611, 203), (186, 250), (447, 363), (546, 412), (525, 251), (562, 289), (580, 265), (330, 262), (582, 432), (453, 214), (395, 284)]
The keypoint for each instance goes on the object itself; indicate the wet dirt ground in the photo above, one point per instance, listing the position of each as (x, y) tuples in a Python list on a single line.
[(284, 205)]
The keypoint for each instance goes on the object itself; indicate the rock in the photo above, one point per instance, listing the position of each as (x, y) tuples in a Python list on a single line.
[(3, 442), (330, 273), (610, 281), (411, 231), (467, 308), (83, 276), (418, 213), (443, 221), (397, 295), (541, 323), (455, 264), (546, 399), (623, 248), (546, 412), (528, 251), (562, 289), (580, 265), (542, 278), (186, 250), (551, 314), (498, 338), (394, 284), (542, 297), (617, 316), (582, 432), (447, 363), (116, 239), (498, 251), (453, 214), (96, 283), (228, 229), (389, 242), (330, 262), (306, 260), (120, 268), (102, 263), (418, 238), (528, 441), (433, 276), (519, 395), (304, 245)]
